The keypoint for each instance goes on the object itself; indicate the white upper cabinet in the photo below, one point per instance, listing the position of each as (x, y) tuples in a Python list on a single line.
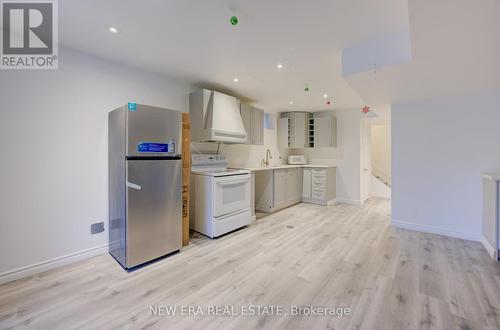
[(325, 132), (253, 121), (298, 131), (257, 126), (307, 130), (284, 132), (293, 130), (246, 116)]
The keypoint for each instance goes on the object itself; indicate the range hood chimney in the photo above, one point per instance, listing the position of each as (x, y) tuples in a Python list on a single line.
[(215, 117)]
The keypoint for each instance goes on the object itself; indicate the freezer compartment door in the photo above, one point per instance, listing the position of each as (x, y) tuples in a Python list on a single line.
[(154, 209), (153, 132)]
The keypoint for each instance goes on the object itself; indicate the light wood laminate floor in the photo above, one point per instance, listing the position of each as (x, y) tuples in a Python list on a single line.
[(305, 255)]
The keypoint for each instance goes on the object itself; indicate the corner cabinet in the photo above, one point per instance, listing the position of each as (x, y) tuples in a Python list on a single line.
[(253, 121), (293, 129), (277, 189), (307, 130)]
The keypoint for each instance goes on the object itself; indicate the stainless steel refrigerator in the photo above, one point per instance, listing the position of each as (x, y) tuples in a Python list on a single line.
[(145, 173)]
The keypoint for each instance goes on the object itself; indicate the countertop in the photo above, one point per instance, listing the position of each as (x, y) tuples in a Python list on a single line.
[(278, 167), (491, 176)]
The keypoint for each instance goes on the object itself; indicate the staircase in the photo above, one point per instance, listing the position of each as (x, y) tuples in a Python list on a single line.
[(380, 188), (381, 176)]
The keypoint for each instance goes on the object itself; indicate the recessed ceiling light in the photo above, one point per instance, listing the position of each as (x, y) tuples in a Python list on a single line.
[(291, 102), (235, 79), (325, 96), (112, 29), (279, 66)]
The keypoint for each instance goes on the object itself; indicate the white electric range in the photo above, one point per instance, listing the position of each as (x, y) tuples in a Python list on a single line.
[(220, 197)]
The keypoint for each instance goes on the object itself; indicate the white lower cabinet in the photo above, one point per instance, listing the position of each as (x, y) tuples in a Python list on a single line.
[(280, 193), (280, 188), (287, 187), (277, 189), (307, 184), (318, 185), (293, 185)]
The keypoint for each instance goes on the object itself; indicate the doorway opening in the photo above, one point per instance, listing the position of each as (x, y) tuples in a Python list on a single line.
[(376, 161)]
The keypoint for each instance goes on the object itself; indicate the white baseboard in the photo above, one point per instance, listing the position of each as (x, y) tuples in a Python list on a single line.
[(356, 202), (436, 230), (21, 272), (489, 248)]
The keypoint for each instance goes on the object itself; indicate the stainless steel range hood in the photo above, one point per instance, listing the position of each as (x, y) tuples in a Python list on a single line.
[(215, 117)]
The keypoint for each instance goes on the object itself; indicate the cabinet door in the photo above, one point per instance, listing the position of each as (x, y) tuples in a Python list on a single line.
[(264, 190), (280, 195), (283, 132), (334, 132), (306, 183), (257, 126), (298, 184), (298, 130), (293, 185), (290, 187), (246, 116), (323, 132)]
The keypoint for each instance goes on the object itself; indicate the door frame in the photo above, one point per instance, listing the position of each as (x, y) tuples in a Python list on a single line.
[(365, 161)]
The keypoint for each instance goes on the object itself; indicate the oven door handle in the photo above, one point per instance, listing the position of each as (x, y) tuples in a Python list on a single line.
[(228, 182)]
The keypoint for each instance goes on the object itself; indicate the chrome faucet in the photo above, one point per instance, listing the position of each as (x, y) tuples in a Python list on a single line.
[(268, 157)]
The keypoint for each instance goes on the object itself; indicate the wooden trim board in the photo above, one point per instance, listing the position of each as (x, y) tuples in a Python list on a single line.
[(186, 174)]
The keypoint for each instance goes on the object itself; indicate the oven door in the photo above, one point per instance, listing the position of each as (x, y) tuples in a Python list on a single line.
[(231, 194)]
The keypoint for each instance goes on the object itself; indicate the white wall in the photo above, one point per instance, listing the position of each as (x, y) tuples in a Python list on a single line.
[(439, 148), (241, 155), (347, 156), (381, 150), (53, 125)]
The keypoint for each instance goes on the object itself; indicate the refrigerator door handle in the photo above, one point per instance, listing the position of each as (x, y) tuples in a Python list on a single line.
[(133, 186)]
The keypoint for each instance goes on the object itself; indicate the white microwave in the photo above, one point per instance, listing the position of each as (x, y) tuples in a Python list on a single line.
[(297, 160)]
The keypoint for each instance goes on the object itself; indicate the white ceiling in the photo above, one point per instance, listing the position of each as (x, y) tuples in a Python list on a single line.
[(192, 40)]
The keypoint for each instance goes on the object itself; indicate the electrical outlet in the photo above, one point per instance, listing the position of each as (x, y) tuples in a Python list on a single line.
[(96, 228)]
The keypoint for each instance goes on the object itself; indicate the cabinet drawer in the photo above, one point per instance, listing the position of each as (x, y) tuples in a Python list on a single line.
[(319, 184), (320, 177), (318, 194), (319, 171)]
